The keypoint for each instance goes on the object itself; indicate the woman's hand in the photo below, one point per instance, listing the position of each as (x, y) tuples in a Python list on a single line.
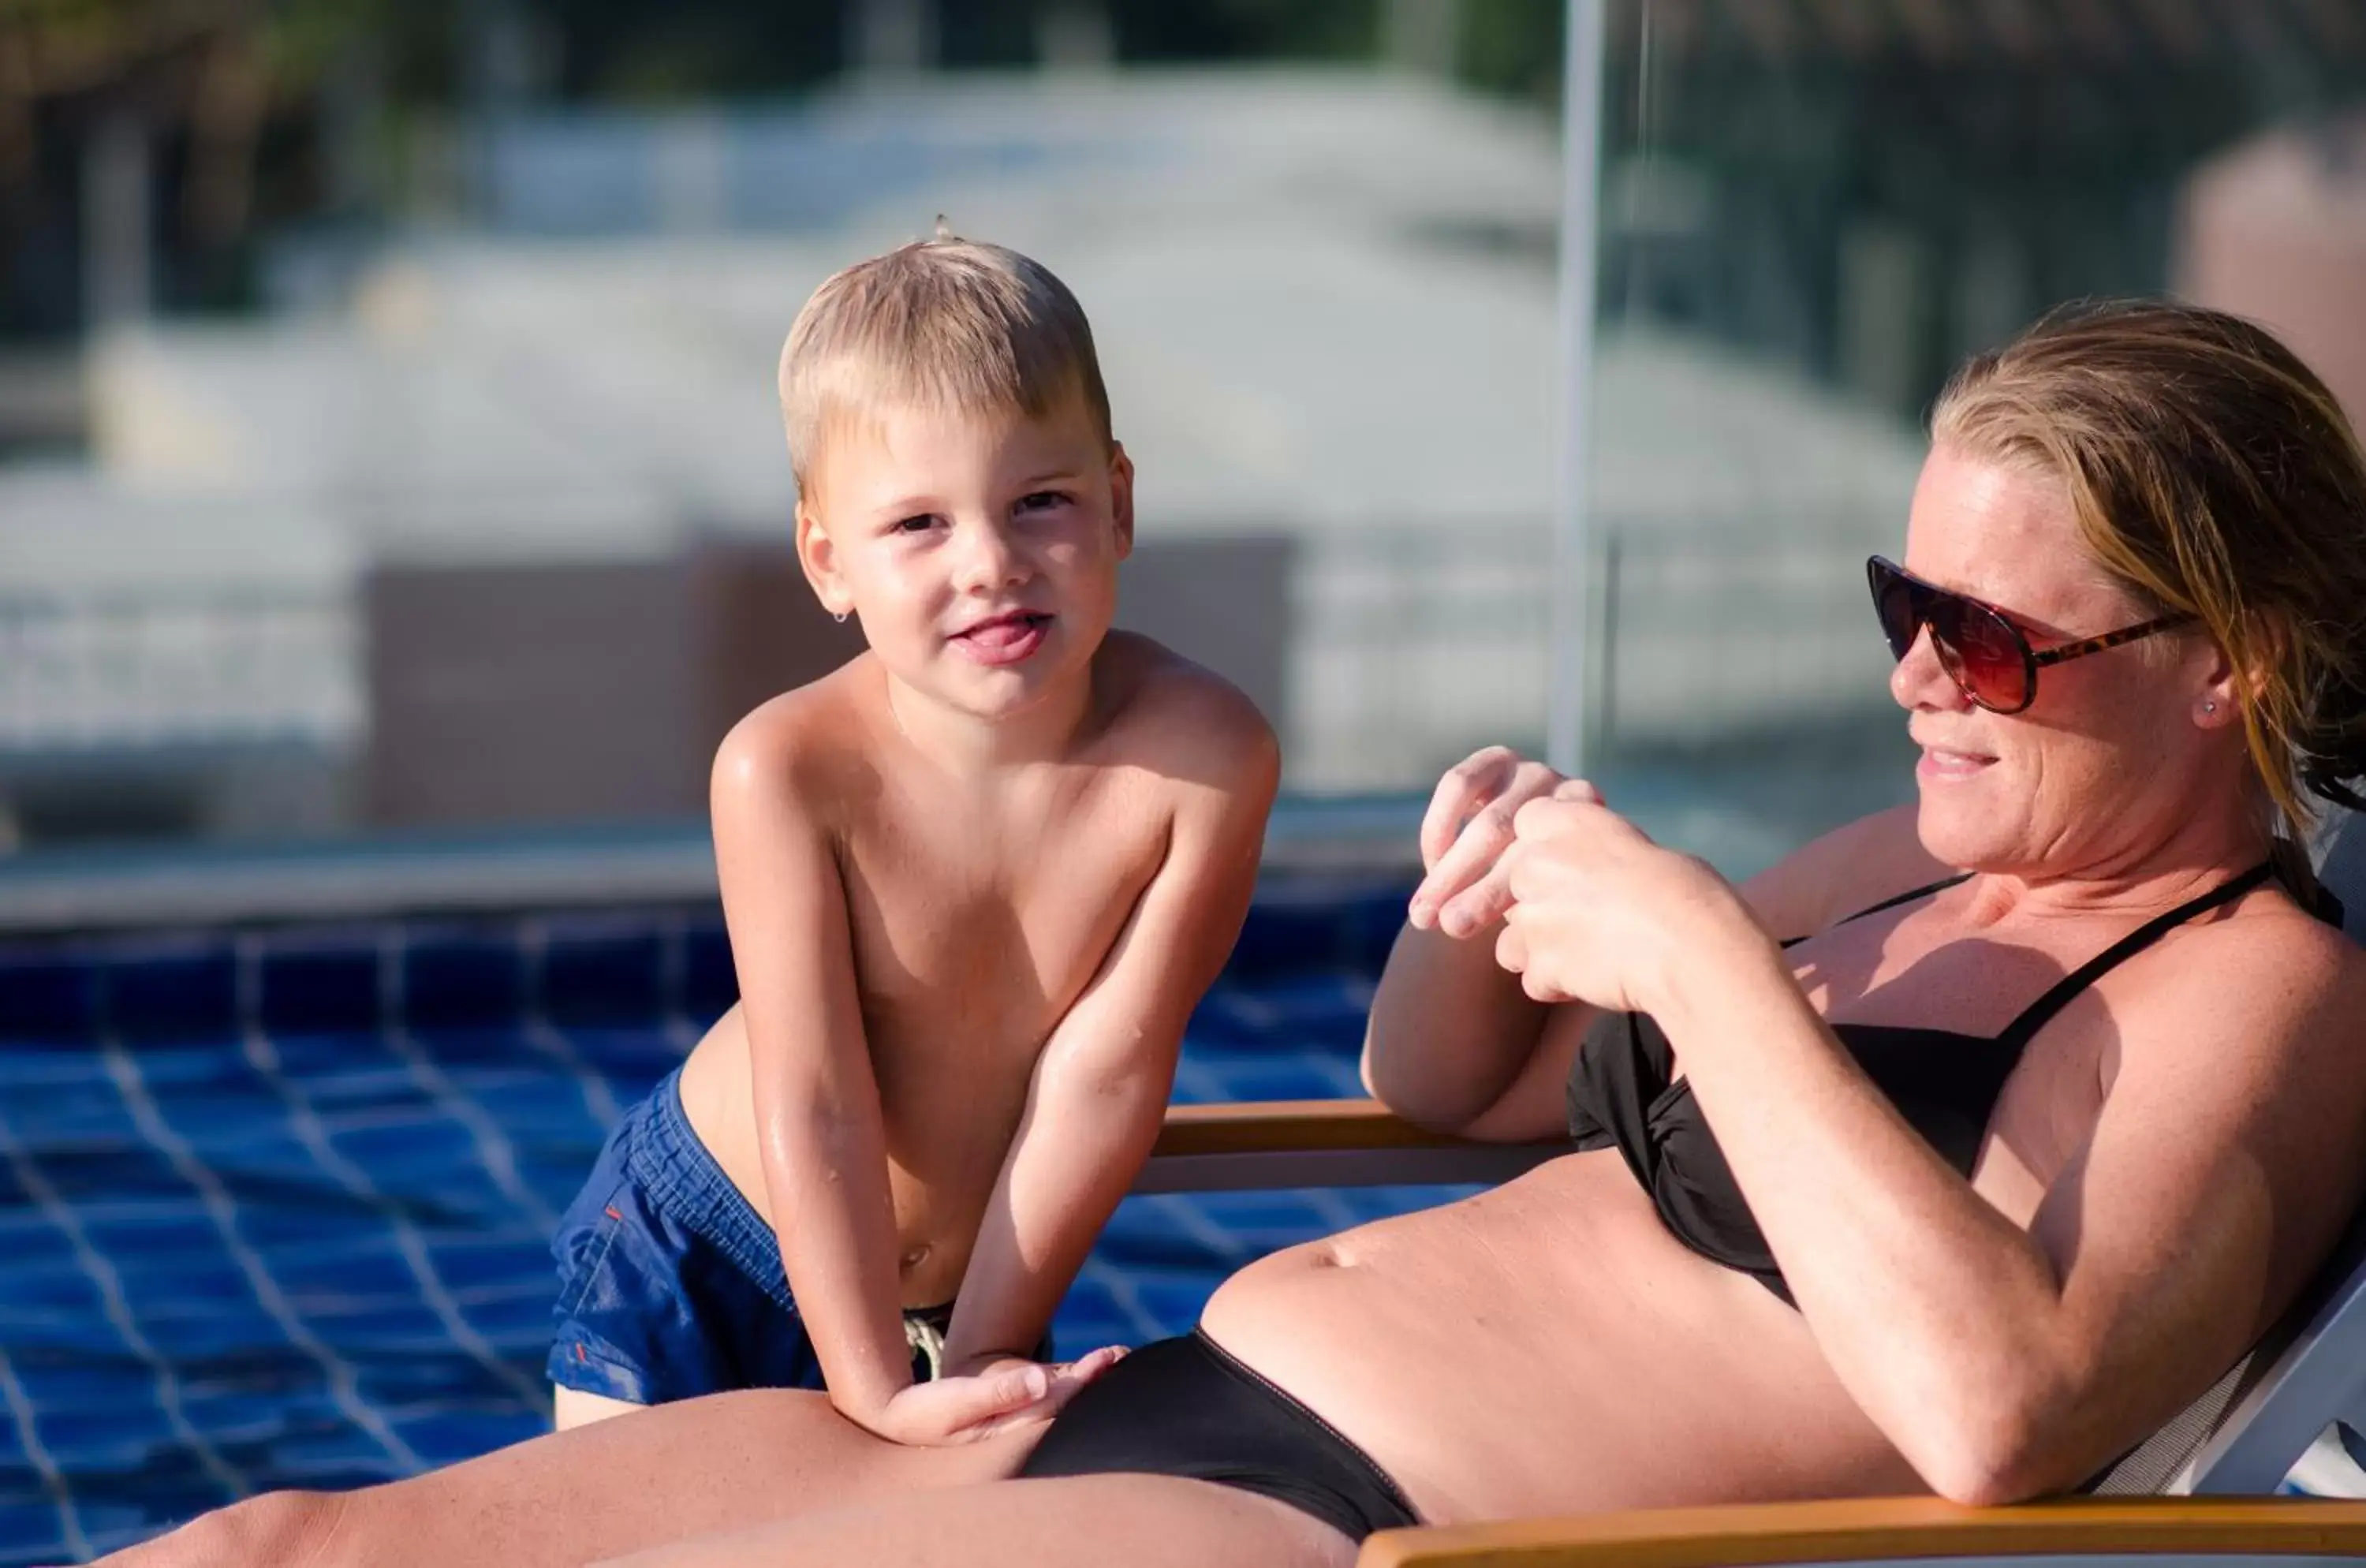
[(1465, 832), (969, 1408), (1597, 912)]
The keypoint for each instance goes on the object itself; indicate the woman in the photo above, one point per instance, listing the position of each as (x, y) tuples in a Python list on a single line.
[(1965, 1189)]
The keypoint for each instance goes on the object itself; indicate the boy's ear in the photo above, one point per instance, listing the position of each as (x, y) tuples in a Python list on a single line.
[(818, 556), (1121, 497)]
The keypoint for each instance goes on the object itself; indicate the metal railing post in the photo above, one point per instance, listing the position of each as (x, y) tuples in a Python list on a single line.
[(1582, 90)]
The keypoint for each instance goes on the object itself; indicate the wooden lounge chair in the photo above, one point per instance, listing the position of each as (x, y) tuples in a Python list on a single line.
[(2200, 1489)]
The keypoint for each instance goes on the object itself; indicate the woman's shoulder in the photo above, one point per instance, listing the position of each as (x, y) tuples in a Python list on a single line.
[(2268, 993), (2236, 1053), (2275, 953), (1850, 868), (2274, 925)]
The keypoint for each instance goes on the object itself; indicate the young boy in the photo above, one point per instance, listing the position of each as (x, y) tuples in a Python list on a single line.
[(975, 880)]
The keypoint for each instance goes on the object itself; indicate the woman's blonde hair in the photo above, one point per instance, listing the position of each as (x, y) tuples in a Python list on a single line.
[(2213, 475), (948, 323)]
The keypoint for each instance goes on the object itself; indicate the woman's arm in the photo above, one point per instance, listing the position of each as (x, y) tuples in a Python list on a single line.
[(1456, 1046), (2006, 1362), (2002, 1362), (1450, 1032)]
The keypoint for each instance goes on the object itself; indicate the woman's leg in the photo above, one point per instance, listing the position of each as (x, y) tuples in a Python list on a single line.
[(1084, 1521), (660, 1475)]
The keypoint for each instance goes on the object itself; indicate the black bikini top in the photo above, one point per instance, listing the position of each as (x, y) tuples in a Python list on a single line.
[(1944, 1083)]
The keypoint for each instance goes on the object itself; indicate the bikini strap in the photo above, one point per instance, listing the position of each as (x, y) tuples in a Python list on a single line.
[(2019, 1032), (1886, 904), (1938, 886)]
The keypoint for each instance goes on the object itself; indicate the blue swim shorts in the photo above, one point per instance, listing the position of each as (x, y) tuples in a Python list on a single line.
[(670, 1281)]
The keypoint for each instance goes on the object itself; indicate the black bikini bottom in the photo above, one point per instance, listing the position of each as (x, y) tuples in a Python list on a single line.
[(1185, 1408)]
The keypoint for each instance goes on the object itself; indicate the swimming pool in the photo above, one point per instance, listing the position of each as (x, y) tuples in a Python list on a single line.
[(275, 1198)]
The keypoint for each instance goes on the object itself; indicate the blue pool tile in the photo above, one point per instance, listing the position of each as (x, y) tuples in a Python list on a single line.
[(465, 1262), (709, 982), (89, 1168), (374, 1085), (29, 1238), (117, 1515), (29, 1518), (224, 1412), (1280, 1081), (441, 1439), (1321, 925), (334, 1457), (56, 1295), (631, 1060), (596, 974), (172, 997), (48, 995), (522, 1320), (461, 977), (56, 1381), (409, 1382), (405, 1330), (105, 1434), (329, 986), (26, 1516), (206, 1286), (125, 1233), (342, 1283), (423, 1138)]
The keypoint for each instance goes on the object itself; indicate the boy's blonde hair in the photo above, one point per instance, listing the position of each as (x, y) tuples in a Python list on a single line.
[(941, 324)]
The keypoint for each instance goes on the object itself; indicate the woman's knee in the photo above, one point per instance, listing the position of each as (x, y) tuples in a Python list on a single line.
[(259, 1532)]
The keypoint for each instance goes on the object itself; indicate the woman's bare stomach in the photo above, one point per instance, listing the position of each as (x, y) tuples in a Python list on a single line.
[(1547, 1347), (939, 1203)]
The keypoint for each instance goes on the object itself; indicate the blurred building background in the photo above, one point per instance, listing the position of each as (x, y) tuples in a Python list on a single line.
[(387, 434)]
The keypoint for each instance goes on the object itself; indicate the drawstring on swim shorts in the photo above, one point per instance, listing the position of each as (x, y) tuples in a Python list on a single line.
[(927, 1341)]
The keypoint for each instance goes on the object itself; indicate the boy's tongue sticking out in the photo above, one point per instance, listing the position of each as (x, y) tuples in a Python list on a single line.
[(1006, 638)]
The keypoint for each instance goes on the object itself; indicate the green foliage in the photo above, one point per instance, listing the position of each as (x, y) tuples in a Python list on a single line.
[(631, 51), (643, 51), (1513, 46), (1157, 30)]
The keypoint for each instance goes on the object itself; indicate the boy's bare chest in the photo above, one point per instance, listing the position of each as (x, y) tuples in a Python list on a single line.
[(977, 923)]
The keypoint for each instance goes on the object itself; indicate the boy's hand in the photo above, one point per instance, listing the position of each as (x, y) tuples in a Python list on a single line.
[(968, 1408), (1084, 1369)]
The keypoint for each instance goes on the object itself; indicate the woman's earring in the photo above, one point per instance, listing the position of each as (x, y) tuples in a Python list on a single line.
[(2206, 707), (839, 617)]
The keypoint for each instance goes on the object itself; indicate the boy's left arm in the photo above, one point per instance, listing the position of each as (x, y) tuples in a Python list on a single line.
[(1100, 1090)]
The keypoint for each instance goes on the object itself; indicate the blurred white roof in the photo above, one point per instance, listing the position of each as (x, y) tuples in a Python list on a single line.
[(71, 532), (1323, 302), (1324, 306)]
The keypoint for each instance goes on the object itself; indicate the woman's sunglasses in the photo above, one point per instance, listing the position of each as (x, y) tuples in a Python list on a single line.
[(1981, 650)]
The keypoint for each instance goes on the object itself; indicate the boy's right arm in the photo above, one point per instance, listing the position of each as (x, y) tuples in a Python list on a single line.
[(817, 1104), (817, 1107)]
